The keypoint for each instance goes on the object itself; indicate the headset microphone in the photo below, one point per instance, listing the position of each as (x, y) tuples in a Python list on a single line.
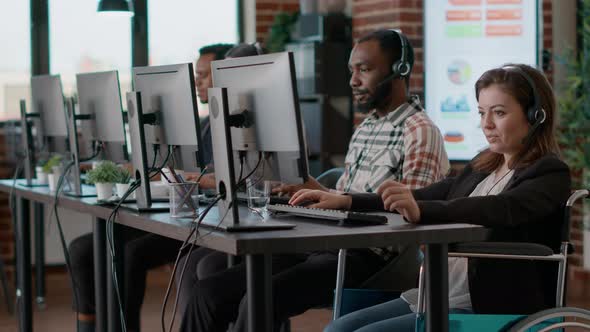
[(387, 79)]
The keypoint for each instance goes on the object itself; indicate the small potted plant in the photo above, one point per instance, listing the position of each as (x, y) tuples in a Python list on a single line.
[(53, 170), (122, 183), (103, 176), (40, 174)]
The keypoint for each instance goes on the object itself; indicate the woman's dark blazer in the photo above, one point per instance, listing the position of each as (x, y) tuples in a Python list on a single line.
[(529, 209)]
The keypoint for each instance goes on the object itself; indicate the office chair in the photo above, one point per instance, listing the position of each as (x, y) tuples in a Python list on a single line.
[(383, 285), (330, 177), (545, 320)]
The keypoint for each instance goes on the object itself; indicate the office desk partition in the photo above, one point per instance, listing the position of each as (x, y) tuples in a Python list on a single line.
[(257, 247)]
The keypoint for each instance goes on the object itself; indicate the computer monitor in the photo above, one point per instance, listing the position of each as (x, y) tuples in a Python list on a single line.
[(168, 92), (48, 102), (260, 94), (263, 90), (162, 112), (99, 96), (101, 122)]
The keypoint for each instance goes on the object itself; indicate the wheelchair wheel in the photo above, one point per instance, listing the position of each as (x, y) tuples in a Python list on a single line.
[(552, 319)]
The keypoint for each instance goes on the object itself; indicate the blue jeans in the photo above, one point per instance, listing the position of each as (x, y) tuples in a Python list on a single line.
[(389, 316)]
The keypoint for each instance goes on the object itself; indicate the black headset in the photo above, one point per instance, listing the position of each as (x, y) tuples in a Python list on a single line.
[(401, 68), (535, 114)]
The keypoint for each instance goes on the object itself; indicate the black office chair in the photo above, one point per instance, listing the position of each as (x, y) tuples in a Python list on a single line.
[(547, 320)]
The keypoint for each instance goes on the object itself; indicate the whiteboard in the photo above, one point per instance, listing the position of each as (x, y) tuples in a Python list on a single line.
[(463, 39)]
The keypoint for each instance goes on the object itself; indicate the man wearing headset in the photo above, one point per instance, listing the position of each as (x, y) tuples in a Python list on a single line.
[(396, 141)]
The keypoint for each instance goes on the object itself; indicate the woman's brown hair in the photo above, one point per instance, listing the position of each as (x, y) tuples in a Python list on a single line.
[(514, 83)]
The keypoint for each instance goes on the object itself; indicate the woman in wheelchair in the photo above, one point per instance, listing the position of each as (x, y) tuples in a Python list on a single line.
[(517, 187)]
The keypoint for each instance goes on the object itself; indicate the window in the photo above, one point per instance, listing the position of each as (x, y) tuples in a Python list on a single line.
[(83, 40), (178, 28), (15, 60), (196, 24)]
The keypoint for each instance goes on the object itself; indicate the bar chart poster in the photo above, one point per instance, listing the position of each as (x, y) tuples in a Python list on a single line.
[(463, 39)]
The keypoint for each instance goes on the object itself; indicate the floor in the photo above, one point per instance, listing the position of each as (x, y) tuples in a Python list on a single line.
[(58, 315)]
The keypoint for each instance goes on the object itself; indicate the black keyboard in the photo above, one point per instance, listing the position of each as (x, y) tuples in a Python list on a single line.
[(325, 214)]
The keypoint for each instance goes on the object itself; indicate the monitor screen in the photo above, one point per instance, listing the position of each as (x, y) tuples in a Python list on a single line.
[(264, 88), (48, 101), (99, 96), (169, 93), (168, 96)]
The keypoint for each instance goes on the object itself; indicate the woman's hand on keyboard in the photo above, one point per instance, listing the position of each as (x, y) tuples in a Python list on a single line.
[(321, 199), (290, 189)]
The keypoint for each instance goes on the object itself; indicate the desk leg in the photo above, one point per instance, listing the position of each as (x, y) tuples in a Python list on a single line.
[(259, 292), (100, 274), (39, 254), (114, 318), (437, 284), (23, 247)]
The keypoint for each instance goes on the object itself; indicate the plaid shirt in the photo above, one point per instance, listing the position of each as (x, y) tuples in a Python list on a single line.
[(404, 146)]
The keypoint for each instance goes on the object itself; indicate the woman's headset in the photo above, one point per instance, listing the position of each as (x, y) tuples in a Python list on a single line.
[(535, 114)]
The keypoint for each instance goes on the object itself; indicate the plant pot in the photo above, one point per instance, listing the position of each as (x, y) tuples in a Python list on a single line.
[(41, 176), (52, 181), (104, 191), (122, 189), (56, 171)]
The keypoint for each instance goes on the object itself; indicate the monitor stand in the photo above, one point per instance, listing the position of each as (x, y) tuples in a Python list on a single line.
[(228, 216), (27, 138), (73, 176), (143, 196)]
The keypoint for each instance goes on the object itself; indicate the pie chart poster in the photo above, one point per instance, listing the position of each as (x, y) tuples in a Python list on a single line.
[(463, 39)]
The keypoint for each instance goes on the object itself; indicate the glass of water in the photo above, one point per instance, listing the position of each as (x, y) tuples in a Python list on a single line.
[(259, 194)]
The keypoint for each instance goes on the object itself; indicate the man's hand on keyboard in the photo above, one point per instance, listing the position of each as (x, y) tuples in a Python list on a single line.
[(322, 199), (290, 189)]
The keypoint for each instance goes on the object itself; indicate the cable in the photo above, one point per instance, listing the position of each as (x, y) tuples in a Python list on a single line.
[(194, 229), (110, 239), (110, 236), (94, 155), (203, 172), (156, 149), (242, 157), (12, 194), (241, 182), (63, 240)]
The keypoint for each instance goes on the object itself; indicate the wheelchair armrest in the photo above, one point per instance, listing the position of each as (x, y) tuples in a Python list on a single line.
[(501, 248)]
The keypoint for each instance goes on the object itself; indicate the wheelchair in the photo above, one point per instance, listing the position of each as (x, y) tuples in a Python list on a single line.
[(546, 320)]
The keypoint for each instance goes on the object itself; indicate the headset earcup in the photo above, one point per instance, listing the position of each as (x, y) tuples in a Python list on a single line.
[(395, 68), (531, 118)]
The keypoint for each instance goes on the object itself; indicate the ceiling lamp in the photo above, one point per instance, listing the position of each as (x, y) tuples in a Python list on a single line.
[(118, 7)]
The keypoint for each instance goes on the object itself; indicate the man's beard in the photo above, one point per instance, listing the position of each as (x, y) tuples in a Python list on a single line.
[(378, 98)]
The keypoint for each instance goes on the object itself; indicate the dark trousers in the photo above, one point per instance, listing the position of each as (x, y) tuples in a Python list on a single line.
[(143, 251), (202, 263), (300, 282)]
